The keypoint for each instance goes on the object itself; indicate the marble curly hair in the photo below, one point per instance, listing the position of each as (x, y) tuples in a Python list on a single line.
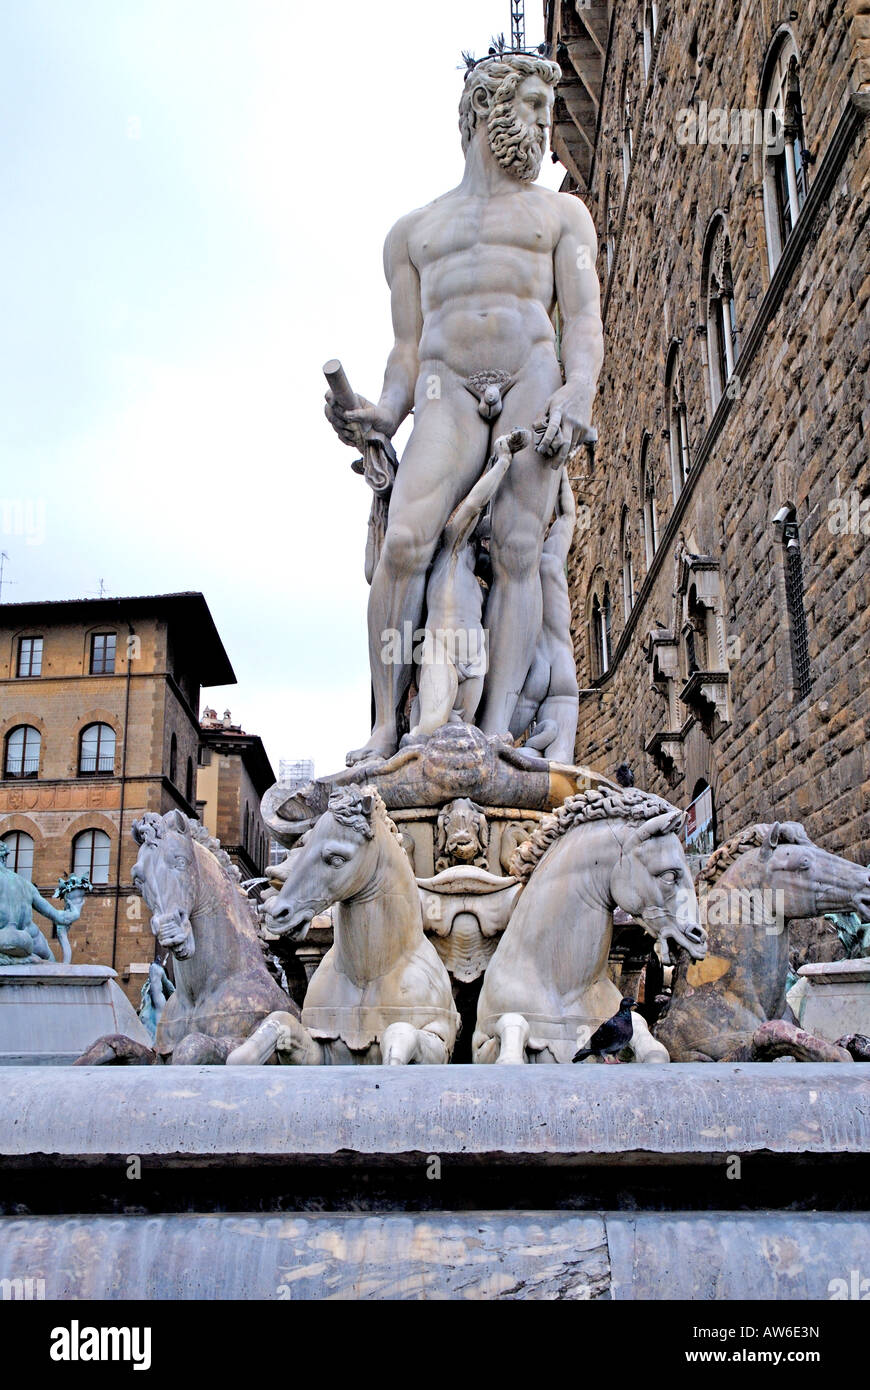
[(724, 855), (630, 804), (358, 808), (498, 77)]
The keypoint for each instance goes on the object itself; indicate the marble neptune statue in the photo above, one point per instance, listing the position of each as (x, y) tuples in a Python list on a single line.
[(475, 279)]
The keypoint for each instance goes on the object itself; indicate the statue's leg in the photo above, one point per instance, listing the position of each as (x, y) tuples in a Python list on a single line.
[(442, 460), (561, 713), (281, 1033), (402, 1044), (645, 1047), (438, 687), (521, 512), (201, 1050), (512, 1031)]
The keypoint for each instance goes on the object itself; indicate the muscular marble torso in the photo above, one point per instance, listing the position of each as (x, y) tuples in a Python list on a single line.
[(486, 278)]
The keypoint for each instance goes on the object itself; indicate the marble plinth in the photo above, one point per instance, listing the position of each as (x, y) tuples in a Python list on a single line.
[(832, 998), (49, 1014)]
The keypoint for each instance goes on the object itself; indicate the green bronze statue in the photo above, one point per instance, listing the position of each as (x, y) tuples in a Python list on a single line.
[(21, 941)]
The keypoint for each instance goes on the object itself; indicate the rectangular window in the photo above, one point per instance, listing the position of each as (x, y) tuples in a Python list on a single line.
[(102, 653), (29, 656)]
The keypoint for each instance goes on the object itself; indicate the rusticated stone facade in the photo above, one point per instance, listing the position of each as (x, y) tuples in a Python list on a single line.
[(733, 651)]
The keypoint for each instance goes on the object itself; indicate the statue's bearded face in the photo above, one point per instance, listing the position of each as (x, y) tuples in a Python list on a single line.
[(518, 128)]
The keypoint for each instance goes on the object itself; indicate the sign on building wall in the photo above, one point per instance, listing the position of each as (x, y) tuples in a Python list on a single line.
[(698, 831)]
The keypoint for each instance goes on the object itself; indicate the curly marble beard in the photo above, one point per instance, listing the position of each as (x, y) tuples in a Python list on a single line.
[(516, 146)]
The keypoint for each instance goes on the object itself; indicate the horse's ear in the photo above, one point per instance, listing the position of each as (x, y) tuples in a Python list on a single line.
[(668, 823), (137, 830), (366, 803), (177, 820), (771, 840)]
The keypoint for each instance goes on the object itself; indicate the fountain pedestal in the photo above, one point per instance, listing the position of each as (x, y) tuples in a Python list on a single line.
[(51, 1013)]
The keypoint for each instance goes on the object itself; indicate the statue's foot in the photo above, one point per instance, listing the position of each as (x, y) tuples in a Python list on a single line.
[(382, 744)]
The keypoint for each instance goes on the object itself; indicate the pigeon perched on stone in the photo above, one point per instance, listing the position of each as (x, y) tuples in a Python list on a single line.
[(609, 1040)]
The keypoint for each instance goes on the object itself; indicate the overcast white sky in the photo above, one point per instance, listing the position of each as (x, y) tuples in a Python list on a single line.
[(196, 194)]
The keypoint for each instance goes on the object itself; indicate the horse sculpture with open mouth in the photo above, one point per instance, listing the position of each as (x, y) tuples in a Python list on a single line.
[(381, 993), (223, 988), (752, 886), (546, 987)]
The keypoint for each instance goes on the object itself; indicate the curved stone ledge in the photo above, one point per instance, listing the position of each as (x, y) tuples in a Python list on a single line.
[(440, 1255), (538, 1114)]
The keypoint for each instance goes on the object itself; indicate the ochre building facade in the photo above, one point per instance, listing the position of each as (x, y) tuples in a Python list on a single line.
[(99, 722)]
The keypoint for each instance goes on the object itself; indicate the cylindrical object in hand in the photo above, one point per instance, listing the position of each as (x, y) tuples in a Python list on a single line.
[(339, 384)]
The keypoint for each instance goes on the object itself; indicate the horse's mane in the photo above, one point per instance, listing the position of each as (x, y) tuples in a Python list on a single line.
[(630, 804), (153, 827), (199, 833), (724, 855), (348, 806)]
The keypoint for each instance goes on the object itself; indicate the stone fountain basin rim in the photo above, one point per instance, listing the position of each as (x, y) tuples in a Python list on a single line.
[(534, 1114)]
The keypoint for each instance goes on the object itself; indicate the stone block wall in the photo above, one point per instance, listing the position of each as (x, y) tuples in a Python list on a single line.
[(794, 433)]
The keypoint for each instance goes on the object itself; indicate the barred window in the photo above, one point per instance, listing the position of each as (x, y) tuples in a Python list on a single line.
[(97, 750), (20, 846), (91, 850), (22, 752), (797, 619)]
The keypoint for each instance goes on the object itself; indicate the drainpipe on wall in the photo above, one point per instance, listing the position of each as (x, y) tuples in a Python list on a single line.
[(123, 799)]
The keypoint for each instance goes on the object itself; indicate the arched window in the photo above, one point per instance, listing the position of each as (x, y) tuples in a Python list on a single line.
[(648, 505), (609, 240), (599, 621), (97, 750), (627, 568), (785, 159), (596, 643), (20, 859), (627, 133), (173, 759), (717, 294), (794, 597), (678, 425), (188, 782), (91, 851), (650, 29), (22, 752)]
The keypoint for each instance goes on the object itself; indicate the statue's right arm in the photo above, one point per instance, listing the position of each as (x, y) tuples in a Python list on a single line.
[(400, 377)]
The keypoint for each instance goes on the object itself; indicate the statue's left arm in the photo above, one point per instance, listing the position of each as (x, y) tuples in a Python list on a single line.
[(578, 294)]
